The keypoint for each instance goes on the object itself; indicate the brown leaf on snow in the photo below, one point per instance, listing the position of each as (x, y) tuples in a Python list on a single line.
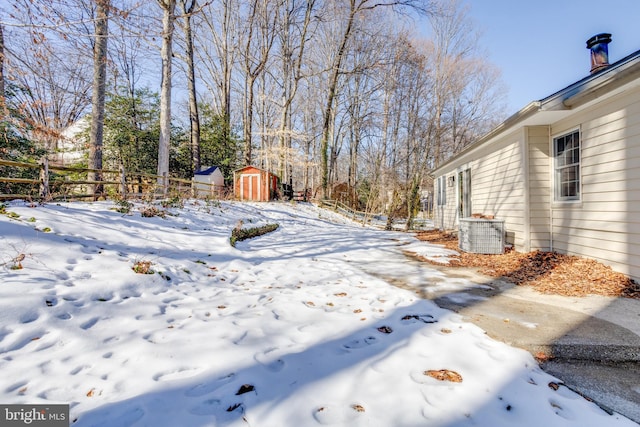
[(358, 408), (444, 375)]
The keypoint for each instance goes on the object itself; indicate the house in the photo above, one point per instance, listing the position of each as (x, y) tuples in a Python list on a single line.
[(563, 173), (208, 182), (72, 145), (254, 184)]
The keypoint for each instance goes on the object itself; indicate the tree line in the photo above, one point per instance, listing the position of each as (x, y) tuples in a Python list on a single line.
[(356, 99)]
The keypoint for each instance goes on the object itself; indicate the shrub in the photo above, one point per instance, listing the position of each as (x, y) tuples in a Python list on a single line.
[(238, 234)]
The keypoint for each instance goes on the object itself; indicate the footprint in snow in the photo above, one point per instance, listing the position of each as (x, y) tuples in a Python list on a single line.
[(26, 339), (29, 317), (414, 318), (176, 374), (208, 387), (207, 407), (267, 360), (17, 387), (360, 343), (332, 414), (90, 323)]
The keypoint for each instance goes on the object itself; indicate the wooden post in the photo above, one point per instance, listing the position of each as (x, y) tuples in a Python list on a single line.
[(123, 183), (165, 184), (44, 179)]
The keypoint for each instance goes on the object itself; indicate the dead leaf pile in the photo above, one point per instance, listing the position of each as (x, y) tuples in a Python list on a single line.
[(547, 272)]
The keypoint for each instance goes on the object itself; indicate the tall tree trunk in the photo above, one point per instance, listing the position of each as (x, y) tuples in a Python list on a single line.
[(328, 109), (98, 95), (248, 121), (3, 102), (168, 19), (260, 36), (226, 72), (194, 117)]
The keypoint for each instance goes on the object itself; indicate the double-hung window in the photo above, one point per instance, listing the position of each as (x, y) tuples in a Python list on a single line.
[(566, 153)]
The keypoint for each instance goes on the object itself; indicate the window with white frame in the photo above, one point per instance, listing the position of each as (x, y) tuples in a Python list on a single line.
[(566, 153)]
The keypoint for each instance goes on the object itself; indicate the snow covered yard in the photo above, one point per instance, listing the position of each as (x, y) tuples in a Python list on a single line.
[(287, 329)]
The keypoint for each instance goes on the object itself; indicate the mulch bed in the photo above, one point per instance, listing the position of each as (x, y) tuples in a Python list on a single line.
[(547, 272)]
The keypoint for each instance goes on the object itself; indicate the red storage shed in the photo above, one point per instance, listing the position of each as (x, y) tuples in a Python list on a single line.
[(255, 184)]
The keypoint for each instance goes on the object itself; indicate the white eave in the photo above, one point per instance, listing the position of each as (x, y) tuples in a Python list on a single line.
[(616, 78)]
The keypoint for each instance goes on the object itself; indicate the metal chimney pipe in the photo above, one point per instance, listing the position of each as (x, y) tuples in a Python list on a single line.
[(599, 45)]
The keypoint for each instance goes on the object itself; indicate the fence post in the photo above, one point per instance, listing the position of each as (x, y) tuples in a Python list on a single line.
[(123, 183), (165, 184), (44, 179)]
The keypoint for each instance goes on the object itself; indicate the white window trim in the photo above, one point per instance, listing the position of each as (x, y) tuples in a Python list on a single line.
[(555, 198)]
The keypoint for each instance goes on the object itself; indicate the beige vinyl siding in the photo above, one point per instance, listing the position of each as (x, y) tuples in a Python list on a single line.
[(605, 223), (539, 189), (498, 185)]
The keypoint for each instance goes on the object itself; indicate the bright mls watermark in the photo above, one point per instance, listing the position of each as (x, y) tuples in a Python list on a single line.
[(34, 415)]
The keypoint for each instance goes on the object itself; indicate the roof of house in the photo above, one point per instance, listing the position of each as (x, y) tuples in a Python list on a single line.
[(207, 171), (566, 101)]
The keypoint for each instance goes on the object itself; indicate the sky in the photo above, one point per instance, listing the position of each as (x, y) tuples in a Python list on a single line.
[(540, 45), (299, 327)]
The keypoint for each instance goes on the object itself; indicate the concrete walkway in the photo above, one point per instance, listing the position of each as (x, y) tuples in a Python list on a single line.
[(594, 342)]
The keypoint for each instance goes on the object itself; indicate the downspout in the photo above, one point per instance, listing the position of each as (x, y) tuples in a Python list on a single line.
[(527, 191), (553, 188)]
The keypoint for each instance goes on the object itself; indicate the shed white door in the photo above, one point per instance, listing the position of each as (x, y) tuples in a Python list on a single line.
[(250, 187)]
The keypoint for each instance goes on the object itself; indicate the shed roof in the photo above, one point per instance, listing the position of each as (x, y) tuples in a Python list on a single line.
[(249, 167), (207, 171)]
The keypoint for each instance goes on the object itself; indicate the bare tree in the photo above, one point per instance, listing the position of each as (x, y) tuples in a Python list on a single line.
[(3, 103), (355, 10), (218, 48), (188, 8), (101, 34), (168, 20), (53, 84), (259, 39), (295, 21)]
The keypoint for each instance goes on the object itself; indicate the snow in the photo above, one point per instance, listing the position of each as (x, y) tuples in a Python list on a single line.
[(294, 328)]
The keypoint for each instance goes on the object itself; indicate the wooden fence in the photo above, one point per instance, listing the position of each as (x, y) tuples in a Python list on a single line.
[(364, 217), (376, 219), (51, 182)]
